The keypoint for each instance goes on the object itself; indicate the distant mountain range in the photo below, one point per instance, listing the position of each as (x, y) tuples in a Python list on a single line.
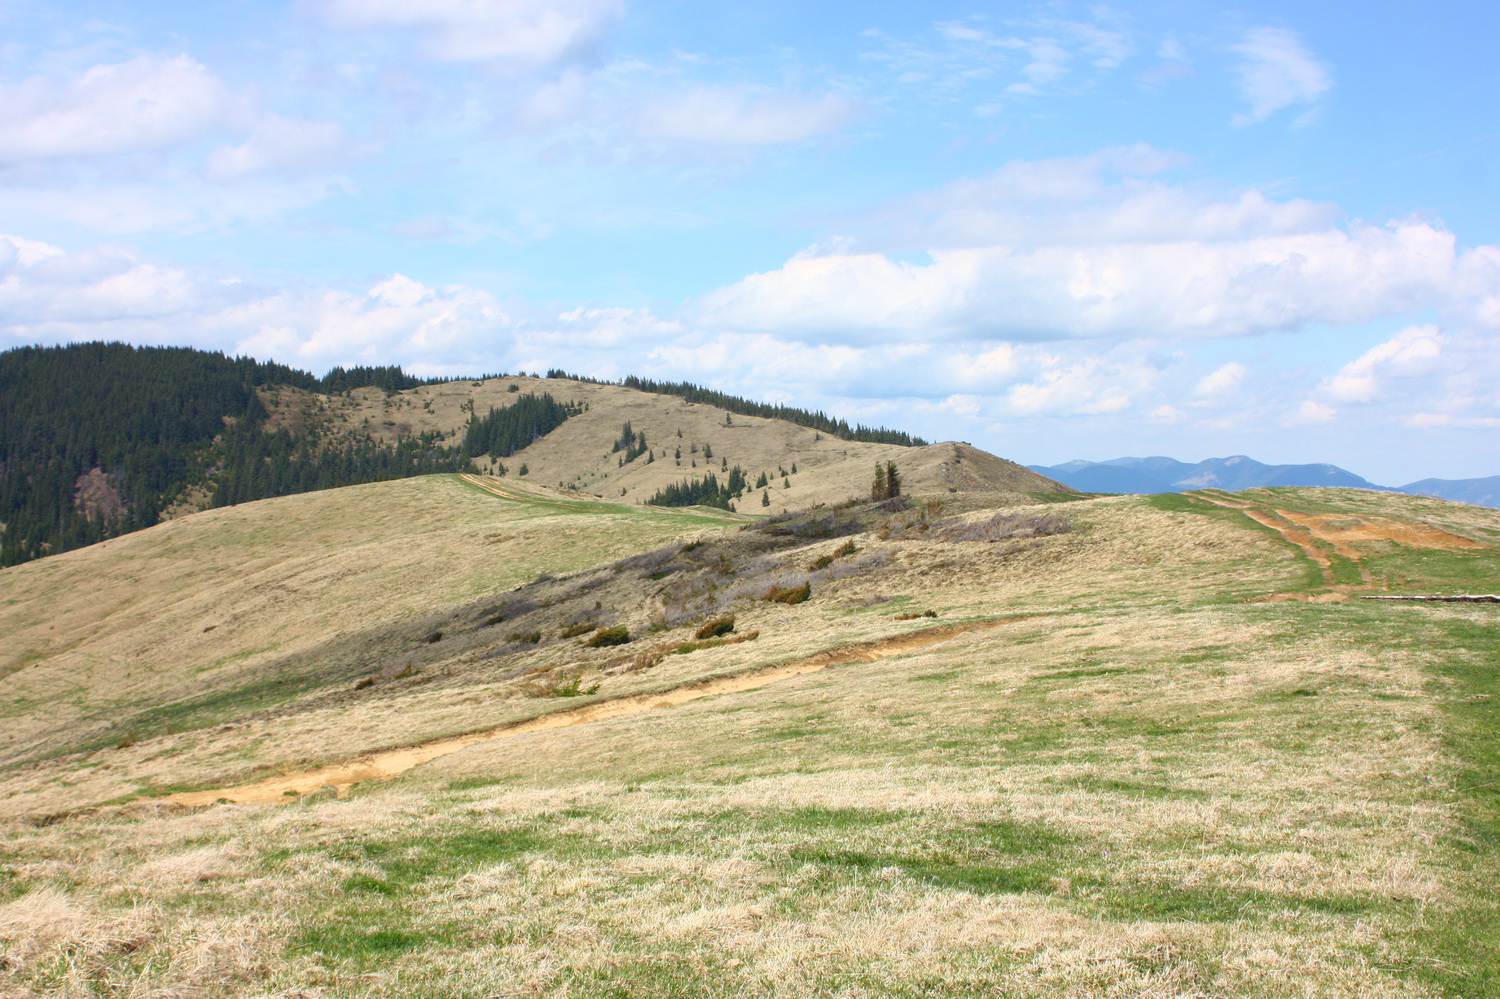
[(1164, 475)]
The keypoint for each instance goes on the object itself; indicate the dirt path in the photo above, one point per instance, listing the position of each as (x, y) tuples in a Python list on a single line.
[(492, 485), (388, 763), (1317, 533)]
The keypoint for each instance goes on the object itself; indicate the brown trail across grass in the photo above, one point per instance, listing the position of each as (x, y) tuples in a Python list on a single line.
[(389, 763)]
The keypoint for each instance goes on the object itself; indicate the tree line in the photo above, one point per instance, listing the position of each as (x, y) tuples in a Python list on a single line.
[(159, 422)]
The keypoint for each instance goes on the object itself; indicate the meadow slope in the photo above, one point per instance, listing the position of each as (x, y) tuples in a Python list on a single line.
[(1113, 746)]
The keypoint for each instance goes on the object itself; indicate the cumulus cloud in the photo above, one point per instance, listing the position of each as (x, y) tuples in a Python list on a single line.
[(1102, 247), (146, 103), (1220, 381), (515, 35), (58, 132), (1277, 71), (1409, 353), (741, 117), (1085, 386), (1179, 288), (278, 143)]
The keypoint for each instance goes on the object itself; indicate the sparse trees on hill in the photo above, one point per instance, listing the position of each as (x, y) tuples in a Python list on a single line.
[(887, 481), (707, 491)]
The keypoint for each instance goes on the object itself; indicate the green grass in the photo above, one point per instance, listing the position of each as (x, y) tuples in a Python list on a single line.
[(1465, 941)]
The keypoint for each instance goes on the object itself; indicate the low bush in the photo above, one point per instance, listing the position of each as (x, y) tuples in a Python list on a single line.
[(718, 626), (824, 561), (606, 637), (552, 685), (710, 643), (577, 628), (788, 594), (525, 637), (1003, 527), (914, 615)]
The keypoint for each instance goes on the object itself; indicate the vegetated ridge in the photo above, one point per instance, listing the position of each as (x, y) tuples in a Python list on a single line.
[(100, 439)]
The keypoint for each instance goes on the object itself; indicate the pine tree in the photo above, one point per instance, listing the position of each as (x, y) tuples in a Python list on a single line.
[(765, 497), (892, 479), (879, 490)]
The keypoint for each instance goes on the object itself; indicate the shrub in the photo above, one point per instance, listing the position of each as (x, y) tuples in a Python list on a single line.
[(914, 615), (527, 637), (1004, 527), (788, 594), (434, 638), (577, 628), (718, 626), (709, 643), (567, 685), (605, 637), (824, 561)]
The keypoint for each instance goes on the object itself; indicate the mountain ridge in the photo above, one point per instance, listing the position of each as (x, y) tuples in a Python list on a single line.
[(1159, 473)]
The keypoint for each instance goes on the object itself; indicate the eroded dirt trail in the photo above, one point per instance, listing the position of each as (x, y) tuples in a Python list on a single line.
[(1319, 533), (388, 763)]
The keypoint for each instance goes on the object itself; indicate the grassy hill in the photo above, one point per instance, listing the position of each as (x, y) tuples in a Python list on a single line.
[(1105, 746), (101, 439), (579, 454)]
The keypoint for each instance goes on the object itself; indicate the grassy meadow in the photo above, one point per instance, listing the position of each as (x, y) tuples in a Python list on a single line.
[(1180, 758)]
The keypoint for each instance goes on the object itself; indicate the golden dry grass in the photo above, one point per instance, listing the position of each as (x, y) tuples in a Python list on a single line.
[(578, 454), (1153, 788)]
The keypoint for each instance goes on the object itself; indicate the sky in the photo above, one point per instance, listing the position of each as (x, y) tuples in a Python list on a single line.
[(1055, 230)]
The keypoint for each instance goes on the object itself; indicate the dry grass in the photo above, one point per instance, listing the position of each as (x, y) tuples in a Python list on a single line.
[(1157, 789)]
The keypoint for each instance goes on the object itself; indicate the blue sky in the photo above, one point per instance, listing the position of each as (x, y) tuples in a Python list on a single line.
[(1056, 230)]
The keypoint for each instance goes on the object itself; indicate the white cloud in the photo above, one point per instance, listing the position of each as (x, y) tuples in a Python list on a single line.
[(1278, 71), (277, 143), (514, 35), (1220, 381), (1409, 353), (147, 103), (1166, 413), (1179, 288), (1099, 246), (1429, 421), (1084, 386), (1072, 201), (120, 147), (44, 288), (740, 117), (1311, 412)]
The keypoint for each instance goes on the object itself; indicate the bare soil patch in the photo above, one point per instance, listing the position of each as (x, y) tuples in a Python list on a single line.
[(1341, 529), (389, 763)]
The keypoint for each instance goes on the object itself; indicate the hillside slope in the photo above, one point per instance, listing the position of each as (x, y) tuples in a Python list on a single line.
[(578, 455), (1109, 746)]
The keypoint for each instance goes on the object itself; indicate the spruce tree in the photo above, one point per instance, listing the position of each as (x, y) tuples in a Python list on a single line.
[(878, 491)]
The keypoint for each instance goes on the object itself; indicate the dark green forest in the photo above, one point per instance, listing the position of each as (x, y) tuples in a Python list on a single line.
[(707, 491), (158, 422), (503, 432)]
